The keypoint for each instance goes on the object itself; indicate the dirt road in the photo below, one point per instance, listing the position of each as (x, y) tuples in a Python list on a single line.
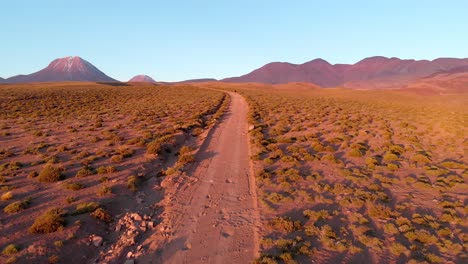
[(218, 218)]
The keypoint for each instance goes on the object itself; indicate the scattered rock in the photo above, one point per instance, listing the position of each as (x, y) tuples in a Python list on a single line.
[(96, 240), (129, 254), (136, 217)]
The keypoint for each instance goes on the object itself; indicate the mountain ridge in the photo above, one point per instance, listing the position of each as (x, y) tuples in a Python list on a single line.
[(377, 71)]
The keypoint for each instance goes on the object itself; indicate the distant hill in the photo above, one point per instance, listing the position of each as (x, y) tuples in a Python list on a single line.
[(64, 69), (198, 80), (142, 78), (446, 82), (373, 72)]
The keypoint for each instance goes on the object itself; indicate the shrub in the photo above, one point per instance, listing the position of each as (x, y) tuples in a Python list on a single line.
[(285, 224), (50, 174), (186, 158), (85, 208), (420, 158), (33, 174), (102, 215), (106, 169), (73, 186), (117, 158), (6, 196), (70, 199), (16, 207), (355, 153), (389, 157), (48, 222), (54, 259), (397, 249), (58, 243), (126, 152), (10, 250), (132, 183), (85, 171), (103, 179), (185, 150), (104, 190)]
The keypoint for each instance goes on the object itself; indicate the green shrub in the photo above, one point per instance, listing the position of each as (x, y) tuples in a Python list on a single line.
[(50, 174), (48, 222)]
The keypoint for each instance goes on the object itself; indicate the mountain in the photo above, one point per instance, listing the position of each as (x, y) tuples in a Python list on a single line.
[(373, 72), (64, 69), (2, 80), (142, 78), (198, 80), (453, 81)]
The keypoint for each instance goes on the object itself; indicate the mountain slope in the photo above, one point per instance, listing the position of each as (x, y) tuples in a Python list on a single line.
[(142, 78), (446, 82), (64, 69), (373, 72)]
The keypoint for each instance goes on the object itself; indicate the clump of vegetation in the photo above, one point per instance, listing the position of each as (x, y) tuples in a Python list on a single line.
[(16, 207), (10, 250), (6, 196), (104, 190), (83, 208), (74, 186), (49, 222), (132, 183), (50, 174), (85, 171), (102, 215), (106, 169)]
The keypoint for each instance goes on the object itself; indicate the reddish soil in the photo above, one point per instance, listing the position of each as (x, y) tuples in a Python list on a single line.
[(211, 216)]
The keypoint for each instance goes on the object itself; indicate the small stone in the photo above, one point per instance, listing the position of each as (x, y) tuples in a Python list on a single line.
[(136, 217), (139, 247), (118, 227), (151, 224), (129, 254), (97, 240)]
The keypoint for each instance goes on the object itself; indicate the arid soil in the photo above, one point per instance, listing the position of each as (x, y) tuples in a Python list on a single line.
[(212, 215)]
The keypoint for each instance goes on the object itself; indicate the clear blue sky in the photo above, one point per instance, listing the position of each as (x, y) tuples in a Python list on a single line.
[(176, 40)]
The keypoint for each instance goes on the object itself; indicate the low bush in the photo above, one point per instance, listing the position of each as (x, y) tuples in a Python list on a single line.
[(10, 250), (85, 171), (132, 183), (6, 196), (74, 186), (50, 174), (16, 207), (85, 208), (104, 190), (102, 215), (48, 222)]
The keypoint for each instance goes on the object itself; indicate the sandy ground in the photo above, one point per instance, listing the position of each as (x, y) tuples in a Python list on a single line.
[(215, 219)]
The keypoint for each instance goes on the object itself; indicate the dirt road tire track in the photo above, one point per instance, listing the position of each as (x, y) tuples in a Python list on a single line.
[(215, 218)]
